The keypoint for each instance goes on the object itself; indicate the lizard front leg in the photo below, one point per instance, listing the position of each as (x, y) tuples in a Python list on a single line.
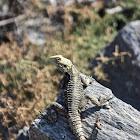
[(99, 103), (86, 80)]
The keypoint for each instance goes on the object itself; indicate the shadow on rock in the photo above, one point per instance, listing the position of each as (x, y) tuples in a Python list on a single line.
[(120, 62)]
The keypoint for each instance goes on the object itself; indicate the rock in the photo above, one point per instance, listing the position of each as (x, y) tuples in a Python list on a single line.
[(36, 28), (114, 10), (37, 32), (107, 3), (8, 11), (123, 77), (4, 6), (23, 134), (66, 2), (121, 121), (32, 29), (110, 3)]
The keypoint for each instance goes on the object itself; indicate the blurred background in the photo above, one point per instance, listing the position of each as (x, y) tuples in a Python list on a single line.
[(94, 34)]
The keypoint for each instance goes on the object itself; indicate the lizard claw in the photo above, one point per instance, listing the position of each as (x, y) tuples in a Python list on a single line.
[(104, 100)]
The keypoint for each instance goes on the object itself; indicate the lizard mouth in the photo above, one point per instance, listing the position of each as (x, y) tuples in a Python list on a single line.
[(60, 66), (56, 63)]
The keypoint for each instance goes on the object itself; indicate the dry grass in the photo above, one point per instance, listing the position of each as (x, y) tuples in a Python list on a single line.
[(118, 57), (27, 87)]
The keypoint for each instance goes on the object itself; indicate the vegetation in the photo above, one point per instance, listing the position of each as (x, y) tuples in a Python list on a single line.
[(29, 83)]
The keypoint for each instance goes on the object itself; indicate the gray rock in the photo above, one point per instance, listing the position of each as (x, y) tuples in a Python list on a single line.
[(121, 121), (65, 2), (110, 3), (114, 10), (123, 77), (107, 3), (8, 11), (23, 134), (4, 6), (33, 29)]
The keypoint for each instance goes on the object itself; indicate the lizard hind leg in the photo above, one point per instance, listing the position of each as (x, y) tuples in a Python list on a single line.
[(51, 113), (59, 108)]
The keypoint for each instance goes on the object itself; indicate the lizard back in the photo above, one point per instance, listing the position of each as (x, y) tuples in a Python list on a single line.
[(74, 94)]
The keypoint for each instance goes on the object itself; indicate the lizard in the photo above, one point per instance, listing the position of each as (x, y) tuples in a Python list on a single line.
[(74, 98)]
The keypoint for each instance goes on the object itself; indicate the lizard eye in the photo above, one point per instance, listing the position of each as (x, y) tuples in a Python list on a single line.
[(58, 59)]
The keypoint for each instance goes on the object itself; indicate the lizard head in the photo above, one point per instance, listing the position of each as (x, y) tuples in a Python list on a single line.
[(63, 63)]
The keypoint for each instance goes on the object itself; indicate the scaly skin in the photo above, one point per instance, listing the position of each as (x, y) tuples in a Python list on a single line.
[(75, 94), (74, 97)]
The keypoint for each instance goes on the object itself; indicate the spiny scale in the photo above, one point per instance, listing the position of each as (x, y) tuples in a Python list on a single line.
[(74, 93)]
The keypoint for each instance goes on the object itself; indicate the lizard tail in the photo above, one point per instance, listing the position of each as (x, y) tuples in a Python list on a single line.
[(76, 126)]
